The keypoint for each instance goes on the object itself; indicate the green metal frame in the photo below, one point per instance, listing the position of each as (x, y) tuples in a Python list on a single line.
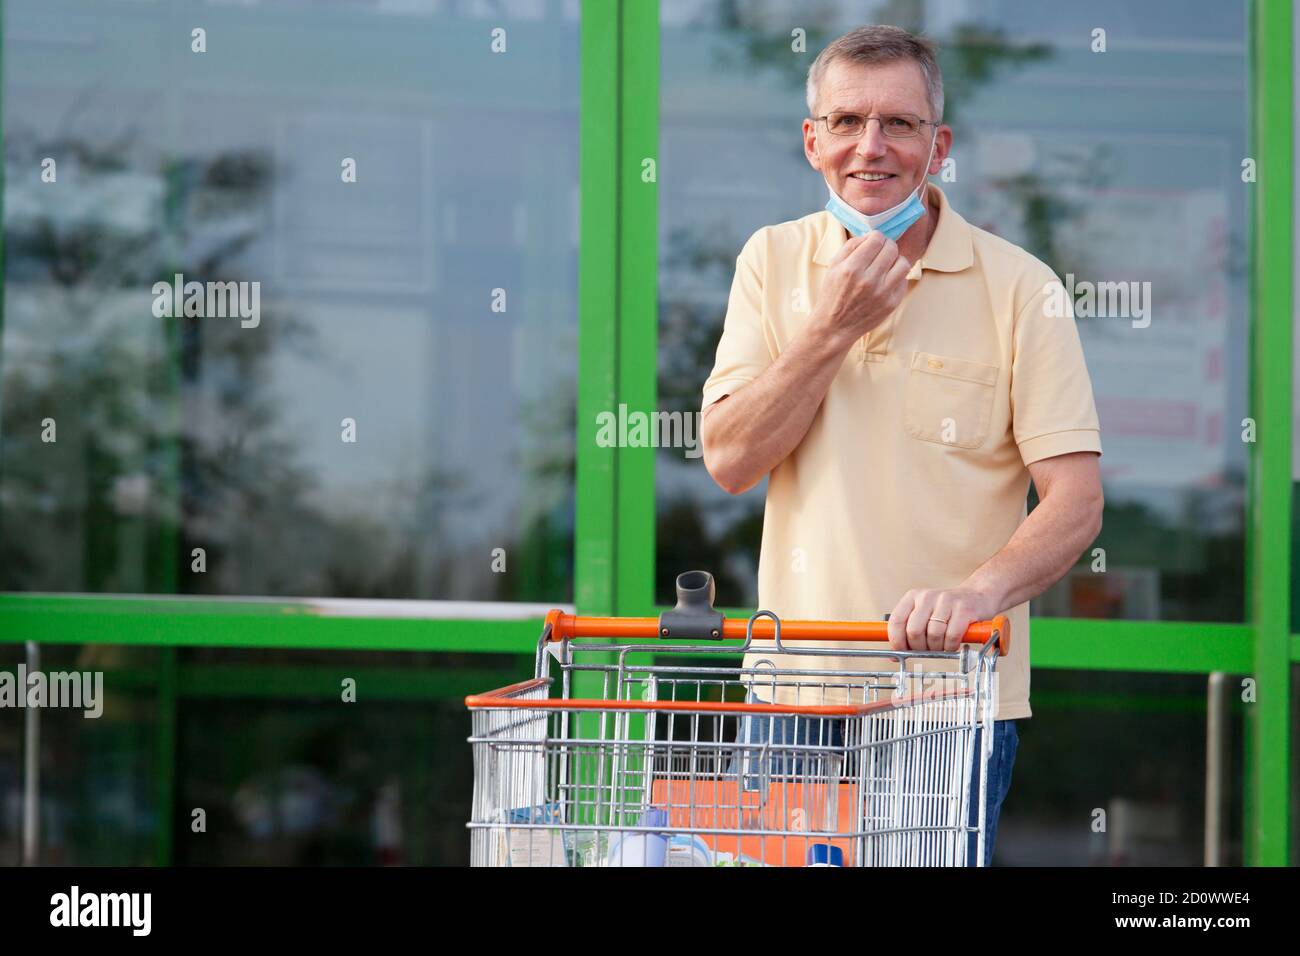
[(1269, 571), (615, 503), (179, 622), (639, 318), (595, 558)]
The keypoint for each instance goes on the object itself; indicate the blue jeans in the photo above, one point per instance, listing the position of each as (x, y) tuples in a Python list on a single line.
[(1006, 740), (829, 732)]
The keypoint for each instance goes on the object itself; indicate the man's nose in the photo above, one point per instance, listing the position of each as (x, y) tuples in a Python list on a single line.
[(871, 145)]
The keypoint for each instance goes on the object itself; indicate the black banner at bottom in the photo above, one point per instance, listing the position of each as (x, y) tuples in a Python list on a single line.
[(333, 905)]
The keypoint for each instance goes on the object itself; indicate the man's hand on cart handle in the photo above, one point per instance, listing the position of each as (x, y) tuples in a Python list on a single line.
[(927, 619), (560, 626)]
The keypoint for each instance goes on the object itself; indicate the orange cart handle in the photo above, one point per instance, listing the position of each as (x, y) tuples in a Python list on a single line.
[(564, 626)]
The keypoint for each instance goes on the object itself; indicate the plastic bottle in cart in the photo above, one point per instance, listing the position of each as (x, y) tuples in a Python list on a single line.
[(825, 854), (642, 849)]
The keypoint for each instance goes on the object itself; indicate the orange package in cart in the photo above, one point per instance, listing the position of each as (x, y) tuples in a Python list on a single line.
[(813, 810)]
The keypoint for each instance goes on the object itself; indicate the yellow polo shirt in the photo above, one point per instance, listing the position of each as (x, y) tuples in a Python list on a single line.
[(913, 471)]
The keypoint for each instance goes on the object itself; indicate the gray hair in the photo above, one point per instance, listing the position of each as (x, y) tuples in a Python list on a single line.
[(880, 44)]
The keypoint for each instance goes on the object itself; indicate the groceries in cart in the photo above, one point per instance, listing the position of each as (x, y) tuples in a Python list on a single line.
[(648, 742)]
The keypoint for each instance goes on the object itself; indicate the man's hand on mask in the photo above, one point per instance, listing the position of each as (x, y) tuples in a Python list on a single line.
[(864, 284), (935, 620)]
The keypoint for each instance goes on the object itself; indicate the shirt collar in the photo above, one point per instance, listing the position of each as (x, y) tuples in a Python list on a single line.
[(950, 248)]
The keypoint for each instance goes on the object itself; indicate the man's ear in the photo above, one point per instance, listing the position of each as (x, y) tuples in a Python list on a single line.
[(942, 148), (810, 145)]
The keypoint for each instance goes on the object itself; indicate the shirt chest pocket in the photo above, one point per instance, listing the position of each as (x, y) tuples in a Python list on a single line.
[(949, 400)]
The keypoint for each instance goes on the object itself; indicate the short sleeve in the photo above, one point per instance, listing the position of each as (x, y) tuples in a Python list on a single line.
[(743, 350), (1052, 407)]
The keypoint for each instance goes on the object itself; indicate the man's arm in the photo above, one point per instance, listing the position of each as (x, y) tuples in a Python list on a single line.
[(1048, 542), (749, 432)]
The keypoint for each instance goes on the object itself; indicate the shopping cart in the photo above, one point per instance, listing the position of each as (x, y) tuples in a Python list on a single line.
[(666, 754)]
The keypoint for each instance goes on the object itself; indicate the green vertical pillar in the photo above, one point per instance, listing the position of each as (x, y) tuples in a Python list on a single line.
[(598, 308), (1269, 523), (638, 184), (639, 173), (594, 549)]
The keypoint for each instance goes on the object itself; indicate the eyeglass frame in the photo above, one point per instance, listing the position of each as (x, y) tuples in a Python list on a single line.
[(866, 117)]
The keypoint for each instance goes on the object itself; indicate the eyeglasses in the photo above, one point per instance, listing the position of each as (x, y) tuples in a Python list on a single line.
[(894, 125)]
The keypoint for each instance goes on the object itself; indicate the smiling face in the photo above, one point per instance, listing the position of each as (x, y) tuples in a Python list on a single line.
[(873, 172)]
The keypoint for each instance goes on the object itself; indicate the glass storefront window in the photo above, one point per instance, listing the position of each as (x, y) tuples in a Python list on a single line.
[(98, 774), (297, 784), (293, 775), (285, 770), (380, 213), (1089, 789)]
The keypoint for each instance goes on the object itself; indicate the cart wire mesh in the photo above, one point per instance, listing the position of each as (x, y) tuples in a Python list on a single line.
[(676, 755)]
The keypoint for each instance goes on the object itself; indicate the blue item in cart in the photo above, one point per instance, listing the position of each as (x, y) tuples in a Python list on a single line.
[(642, 849), (545, 813), (685, 850), (825, 854), (549, 814)]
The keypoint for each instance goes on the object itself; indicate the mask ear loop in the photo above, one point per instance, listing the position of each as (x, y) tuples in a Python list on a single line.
[(925, 170), (925, 175)]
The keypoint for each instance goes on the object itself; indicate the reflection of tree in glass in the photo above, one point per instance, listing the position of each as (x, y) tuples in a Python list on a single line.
[(170, 435), (1046, 208), (976, 55), (76, 351), (756, 36)]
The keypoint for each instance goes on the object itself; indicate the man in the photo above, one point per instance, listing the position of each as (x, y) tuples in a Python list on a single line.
[(898, 376)]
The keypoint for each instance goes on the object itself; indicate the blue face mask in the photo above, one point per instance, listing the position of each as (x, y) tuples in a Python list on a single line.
[(892, 222)]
